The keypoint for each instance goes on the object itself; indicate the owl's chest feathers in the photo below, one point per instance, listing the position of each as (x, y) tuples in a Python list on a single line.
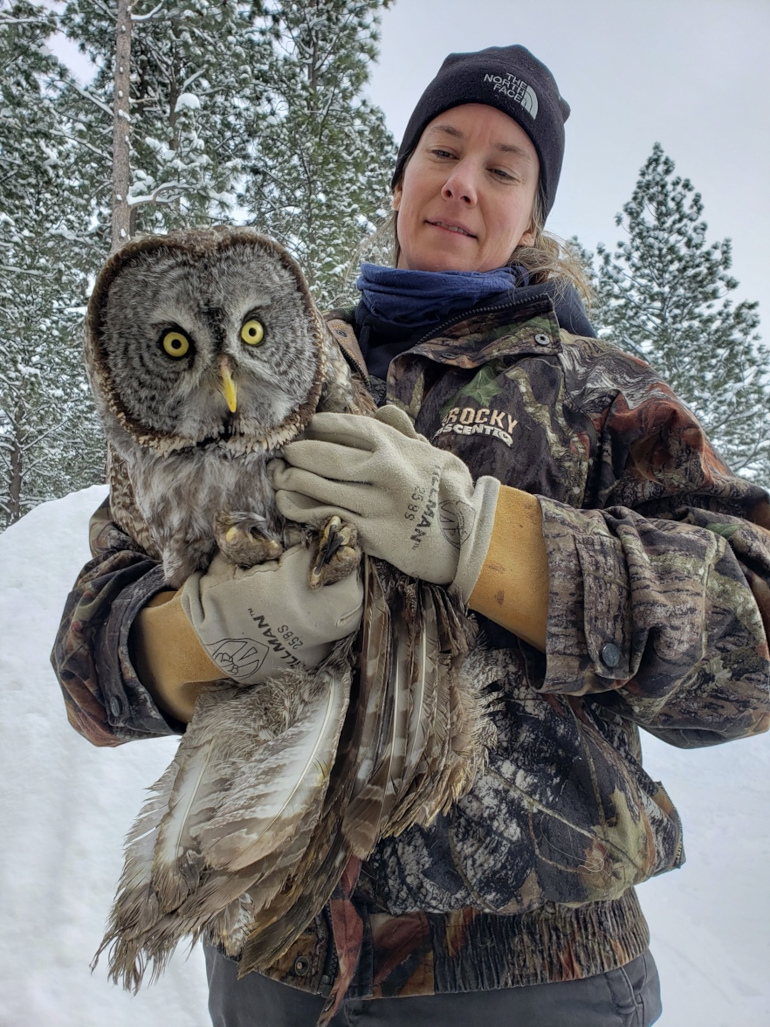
[(180, 494)]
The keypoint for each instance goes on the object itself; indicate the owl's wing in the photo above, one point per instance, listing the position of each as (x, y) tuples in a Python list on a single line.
[(415, 738), (343, 391), (274, 787), (230, 820), (426, 733), (123, 506), (136, 902), (361, 746), (280, 924)]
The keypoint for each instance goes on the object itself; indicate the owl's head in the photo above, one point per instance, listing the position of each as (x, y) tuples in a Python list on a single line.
[(205, 337)]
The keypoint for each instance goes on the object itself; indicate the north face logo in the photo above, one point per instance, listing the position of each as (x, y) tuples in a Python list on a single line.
[(515, 89)]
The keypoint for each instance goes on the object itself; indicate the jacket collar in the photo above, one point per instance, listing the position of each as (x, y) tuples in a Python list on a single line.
[(525, 323)]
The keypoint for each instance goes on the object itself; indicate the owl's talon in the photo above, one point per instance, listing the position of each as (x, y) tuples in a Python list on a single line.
[(242, 539), (338, 553)]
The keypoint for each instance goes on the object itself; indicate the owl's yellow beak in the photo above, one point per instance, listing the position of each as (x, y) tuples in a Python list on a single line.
[(229, 388)]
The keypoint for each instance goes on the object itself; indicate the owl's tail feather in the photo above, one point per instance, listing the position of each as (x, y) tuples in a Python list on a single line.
[(426, 733), (310, 887), (232, 927), (361, 823), (275, 931), (458, 721), (423, 715), (229, 821)]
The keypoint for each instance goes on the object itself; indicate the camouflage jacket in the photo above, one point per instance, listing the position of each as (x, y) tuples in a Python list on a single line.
[(659, 615)]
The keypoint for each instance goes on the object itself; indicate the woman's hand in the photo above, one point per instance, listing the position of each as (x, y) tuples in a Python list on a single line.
[(248, 625), (413, 505)]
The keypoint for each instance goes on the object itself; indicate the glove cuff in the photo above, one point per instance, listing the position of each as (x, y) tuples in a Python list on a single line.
[(170, 660), (475, 543), (513, 584)]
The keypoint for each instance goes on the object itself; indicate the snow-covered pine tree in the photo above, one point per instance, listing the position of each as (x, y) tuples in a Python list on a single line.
[(194, 96), (248, 112), (48, 432), (663, 294), (322, 158)]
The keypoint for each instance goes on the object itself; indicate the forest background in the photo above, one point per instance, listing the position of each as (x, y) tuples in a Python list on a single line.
[(260, 113)]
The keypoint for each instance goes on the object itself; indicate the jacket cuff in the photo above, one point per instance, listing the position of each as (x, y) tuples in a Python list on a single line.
[(129, 706), (588, 645)]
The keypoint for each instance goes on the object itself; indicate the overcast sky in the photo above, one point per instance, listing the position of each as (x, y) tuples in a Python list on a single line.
[(693, 75)]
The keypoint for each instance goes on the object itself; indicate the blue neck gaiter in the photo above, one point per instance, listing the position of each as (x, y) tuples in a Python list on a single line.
[(416, 299)]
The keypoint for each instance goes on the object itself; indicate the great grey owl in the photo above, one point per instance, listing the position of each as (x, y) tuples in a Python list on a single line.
[(206, 354)]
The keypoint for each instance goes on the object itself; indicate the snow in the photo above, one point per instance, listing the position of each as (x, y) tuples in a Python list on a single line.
[(66, 805), (187, 102)]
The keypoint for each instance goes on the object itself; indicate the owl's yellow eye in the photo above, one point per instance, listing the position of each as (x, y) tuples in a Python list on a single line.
[(175, 344), (252, 332)]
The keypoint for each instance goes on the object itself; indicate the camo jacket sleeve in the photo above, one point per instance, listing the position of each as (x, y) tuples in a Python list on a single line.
[(106, 702), (659, 556), (659, 601)]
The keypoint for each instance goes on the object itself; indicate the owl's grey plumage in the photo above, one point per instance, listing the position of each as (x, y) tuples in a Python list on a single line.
[(206, 354), (183, 328)]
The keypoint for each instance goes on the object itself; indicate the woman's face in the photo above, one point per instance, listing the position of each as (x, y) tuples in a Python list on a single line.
[(466, 197)]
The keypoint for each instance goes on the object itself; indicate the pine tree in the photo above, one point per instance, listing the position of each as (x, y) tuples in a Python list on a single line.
[(245, 112), (48, 432), (194, 92), (662, 295), (322, 158)]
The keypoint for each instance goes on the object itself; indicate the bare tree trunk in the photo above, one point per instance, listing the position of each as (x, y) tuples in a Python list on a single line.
[(121, 172), (16, 470)]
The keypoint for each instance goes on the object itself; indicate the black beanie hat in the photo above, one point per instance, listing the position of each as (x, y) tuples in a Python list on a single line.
[(516, 83)]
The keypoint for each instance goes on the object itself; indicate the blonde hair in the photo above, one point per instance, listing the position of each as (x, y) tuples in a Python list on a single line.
[(550, 258)]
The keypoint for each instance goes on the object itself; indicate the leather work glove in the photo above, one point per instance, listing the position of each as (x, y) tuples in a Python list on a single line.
[(248, 625), (255, 623), (413, 505)]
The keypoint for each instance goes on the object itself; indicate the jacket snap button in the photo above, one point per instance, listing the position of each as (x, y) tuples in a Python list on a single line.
[(301, 965), (610, 654), (542, 340), (115, 708)]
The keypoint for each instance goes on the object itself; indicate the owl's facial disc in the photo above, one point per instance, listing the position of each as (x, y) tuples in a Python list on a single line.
[(173, 321)]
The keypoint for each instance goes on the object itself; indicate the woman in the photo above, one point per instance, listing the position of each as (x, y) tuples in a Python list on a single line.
[(619, 570)]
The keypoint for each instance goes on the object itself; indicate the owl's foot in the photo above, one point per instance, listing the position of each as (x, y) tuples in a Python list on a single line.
[(243, 540), (338, 553)]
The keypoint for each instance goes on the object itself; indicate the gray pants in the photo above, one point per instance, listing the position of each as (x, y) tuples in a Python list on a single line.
[(627, 997)]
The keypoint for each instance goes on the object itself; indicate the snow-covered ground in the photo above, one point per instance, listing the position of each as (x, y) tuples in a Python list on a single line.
[(65, 806)]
